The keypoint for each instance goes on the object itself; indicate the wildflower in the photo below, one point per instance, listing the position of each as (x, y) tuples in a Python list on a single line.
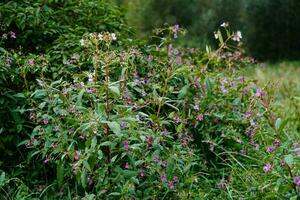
[(76, 155), (276, 143), (46, 121), (196, 106), (124, 124), (46, 160), (176, 51), (126, 165), (297, 180), (199, 117), (113, 36), (82, 42), (31, 62), (179, 60), (270, 149), (171, 185), (4, 36), (248, 115), (237, 36), (192, 50), (100, 37), (175, 179), (259, 93), (31, 116), (90, 181), (216, 35), (163, 178), (142, 173), (165, 131), (225, 24), (8, 62), (267, 168), (126, 145), (56, 128), (156, 158), (164, 164), (12, 35)]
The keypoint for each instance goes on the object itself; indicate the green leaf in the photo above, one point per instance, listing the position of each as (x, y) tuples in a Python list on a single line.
[(208, 87), (79, 98), (289, 159), (2, 179), (183, 92), (115, 90), (115, 128)]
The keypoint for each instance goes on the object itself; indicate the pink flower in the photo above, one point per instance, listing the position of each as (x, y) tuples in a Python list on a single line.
[(126, 145), (46, 160), (297, 180), (267, 168), (76, 155), (46, 121), (126, 165), (142, 173), (156, 158), (270, 149), (31, 62), (164, 164), (171, 185), (200, 117), (163, 178)]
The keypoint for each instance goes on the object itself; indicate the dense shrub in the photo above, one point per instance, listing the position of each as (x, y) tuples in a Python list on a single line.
[(99, 115)]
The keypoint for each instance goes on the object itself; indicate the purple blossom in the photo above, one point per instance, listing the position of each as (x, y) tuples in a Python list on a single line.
[(297, 180), (12, 35), (124, 124), (31, 62), (163, 178), (179, 60), (196, 106), (248, 115), (126, 145), (164, 164), (156, 158), (171, 185), (31, 116), (142, 173), (176, 51), (267, 168), (76, 155), (46, 121), (276, 143), (200, 117), (165, 132), (259, 93), (126, 165), (46, 160), (270, 149)]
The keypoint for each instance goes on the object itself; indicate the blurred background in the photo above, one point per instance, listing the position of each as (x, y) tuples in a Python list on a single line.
[(270, 28)]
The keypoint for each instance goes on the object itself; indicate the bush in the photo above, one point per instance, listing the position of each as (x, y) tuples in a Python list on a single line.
[(100, 115)]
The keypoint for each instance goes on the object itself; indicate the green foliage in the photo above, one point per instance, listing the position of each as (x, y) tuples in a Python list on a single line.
[(93, 113)]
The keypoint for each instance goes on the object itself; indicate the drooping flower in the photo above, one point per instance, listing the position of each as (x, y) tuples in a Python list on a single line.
[(12, 35), (76, 155), (237, 36), (171, 185), (200, 117), (126, 165), (267, 168), (163, 178), (216, 35), (225, 24), (164, 164), (126, 145), (276, 143), (270, 149), (196, 106), (297, 180), (31, 62), (142, 173), (46, 121)]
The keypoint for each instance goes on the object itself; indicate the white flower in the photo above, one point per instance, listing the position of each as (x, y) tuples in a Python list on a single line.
[(113, 36), (225, 24), (237, 36), (100, 36), (216, 35), (82, 42)]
